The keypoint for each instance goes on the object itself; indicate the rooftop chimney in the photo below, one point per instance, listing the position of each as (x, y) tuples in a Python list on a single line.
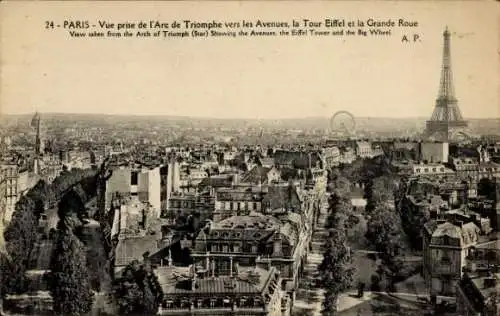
[(193, 277), (235, 179), (231, 266)]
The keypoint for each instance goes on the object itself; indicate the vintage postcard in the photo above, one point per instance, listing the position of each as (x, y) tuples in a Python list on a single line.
[(249, 158)]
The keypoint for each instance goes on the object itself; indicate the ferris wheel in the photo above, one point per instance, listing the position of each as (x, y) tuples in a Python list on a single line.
[(343, 122)]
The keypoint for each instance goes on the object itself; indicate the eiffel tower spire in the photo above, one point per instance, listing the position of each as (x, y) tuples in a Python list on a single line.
[(446, 116), (446, 89)]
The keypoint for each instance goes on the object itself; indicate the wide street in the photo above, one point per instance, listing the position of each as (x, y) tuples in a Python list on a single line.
[(309, 299)]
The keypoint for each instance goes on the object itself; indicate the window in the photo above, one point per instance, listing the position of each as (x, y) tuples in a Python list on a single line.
[(445, 258), (134, 178)]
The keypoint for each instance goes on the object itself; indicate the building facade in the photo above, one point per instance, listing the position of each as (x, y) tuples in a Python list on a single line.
[(445, 247), (183, 205), (434, 152), (145, 183), (279, 241), (364, 149), (237, 201), (17, 180)]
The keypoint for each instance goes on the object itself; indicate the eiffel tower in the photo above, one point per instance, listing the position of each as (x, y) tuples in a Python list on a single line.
[(446, 119)]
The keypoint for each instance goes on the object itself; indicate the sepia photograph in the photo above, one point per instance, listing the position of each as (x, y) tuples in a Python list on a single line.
[(249, 158)]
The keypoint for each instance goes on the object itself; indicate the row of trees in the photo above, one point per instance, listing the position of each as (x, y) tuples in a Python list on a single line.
[(21, 233), (384, 229), (380, 191), (337, 268), (69, 280)]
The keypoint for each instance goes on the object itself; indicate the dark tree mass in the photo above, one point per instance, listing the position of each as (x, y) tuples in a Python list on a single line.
[(337, 269), (138, 291), (69, 279)]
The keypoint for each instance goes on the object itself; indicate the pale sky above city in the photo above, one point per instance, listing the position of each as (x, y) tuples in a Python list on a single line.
[(278, 77)]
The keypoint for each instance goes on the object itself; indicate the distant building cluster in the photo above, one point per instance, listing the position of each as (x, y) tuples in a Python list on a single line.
[(456, 192), (228, 228)]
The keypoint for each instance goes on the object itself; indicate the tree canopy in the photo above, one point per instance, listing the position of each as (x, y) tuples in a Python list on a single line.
[(69, 280), (21, 233), (384, 231), (20, 237), (340, 188), (379, 191), (365, 170), (137, 291), (337, 269)]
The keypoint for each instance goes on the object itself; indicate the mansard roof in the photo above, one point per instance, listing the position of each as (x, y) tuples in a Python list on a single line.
[(282, 197), (463, 235), (247, 281), (256, 175)]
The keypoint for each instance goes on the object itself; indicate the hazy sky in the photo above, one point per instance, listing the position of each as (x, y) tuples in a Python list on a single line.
[(279, 77)]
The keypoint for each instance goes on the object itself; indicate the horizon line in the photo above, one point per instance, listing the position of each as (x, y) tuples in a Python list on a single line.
[(229, 118)]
